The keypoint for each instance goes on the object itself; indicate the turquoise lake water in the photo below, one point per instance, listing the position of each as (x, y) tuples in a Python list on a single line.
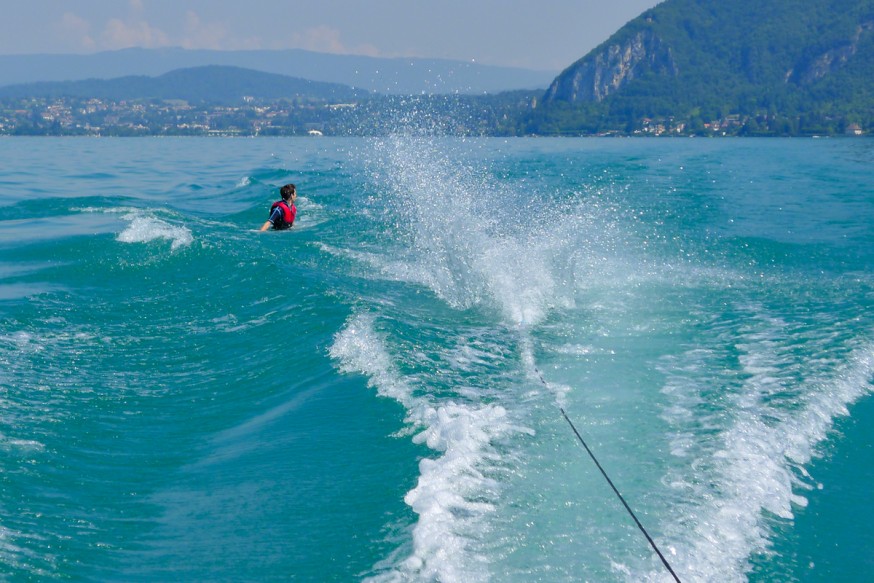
[(376, 394)]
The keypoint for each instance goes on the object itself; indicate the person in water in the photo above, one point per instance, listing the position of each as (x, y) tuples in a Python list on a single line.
[(283, 211)]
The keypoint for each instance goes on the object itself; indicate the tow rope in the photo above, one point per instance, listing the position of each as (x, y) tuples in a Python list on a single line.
[(609, 481)]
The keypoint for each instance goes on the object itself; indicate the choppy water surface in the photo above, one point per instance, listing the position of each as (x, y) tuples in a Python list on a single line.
[(375, 394)]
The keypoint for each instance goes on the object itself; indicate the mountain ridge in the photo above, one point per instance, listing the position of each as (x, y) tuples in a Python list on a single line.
[(685, 67), (391, 76), (219, 84), (808, 62)]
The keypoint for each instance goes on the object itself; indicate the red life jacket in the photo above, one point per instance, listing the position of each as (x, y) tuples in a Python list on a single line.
[(286, 216)]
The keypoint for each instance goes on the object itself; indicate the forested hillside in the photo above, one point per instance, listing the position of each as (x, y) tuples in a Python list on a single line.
[(780, 66), (685, 67)]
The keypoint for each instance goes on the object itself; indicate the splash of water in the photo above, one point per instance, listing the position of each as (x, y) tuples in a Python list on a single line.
[(144, 228), (477, 240), (452, 496)]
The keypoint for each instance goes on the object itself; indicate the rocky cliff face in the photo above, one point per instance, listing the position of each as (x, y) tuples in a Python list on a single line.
[(831, 60), (603, 72)]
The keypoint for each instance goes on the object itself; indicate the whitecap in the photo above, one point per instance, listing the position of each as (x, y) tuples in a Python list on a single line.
[(454, 492), (144, 229), (752, 466)]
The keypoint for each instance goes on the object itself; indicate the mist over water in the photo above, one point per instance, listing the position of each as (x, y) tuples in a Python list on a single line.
[(374, 395)]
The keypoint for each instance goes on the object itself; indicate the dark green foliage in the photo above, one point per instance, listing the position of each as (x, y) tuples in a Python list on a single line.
[(708, 67), (784, 66)]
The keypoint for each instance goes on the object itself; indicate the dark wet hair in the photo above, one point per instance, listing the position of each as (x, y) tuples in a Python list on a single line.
[(287, 190)]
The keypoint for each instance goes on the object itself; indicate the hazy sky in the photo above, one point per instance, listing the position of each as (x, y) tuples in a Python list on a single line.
[(535, 34)]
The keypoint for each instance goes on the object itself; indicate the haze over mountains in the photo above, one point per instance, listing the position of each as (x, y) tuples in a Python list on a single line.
[(216, 84), (685, 67), (386, 76)]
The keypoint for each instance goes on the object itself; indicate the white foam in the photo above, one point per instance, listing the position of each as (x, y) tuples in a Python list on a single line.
[(752, 463), (359, 349), (463, 241), (745, 457), (454, 491), (20, 446), (22, 340), (144, 228)]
